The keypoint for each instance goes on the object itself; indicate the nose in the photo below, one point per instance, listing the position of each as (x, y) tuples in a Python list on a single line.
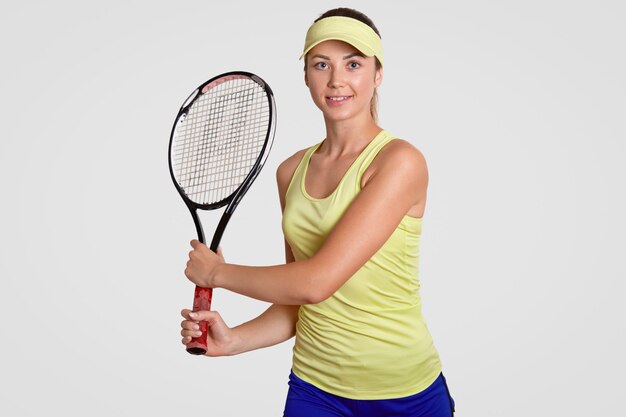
[(336, 78)]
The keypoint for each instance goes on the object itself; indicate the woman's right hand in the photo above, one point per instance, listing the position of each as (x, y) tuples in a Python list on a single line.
[(220, 337)]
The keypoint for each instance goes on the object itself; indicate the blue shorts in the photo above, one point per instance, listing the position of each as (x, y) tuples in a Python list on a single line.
[(306, 400)]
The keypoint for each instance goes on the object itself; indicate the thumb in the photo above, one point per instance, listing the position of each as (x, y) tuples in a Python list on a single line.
[(202, 315)]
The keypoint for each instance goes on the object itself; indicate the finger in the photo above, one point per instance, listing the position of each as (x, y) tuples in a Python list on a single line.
[(195, 243), (189, 325), (186, 340), (189, 272), (203, 315), (185, 313), (190, 333)]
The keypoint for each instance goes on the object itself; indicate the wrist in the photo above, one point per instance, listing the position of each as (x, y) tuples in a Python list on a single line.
[(236, 344), (214, 276)]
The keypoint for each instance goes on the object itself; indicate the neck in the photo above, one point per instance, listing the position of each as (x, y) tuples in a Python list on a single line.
[(348, 136)]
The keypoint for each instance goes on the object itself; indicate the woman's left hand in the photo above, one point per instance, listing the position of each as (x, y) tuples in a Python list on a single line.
[(202, 263)]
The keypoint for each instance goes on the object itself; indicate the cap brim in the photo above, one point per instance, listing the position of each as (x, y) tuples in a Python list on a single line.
[(357, 43)]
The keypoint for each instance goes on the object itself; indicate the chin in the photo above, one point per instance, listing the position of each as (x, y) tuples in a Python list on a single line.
[(337, 115)]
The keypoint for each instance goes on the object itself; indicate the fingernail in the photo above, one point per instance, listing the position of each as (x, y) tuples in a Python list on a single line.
[(192, 314)]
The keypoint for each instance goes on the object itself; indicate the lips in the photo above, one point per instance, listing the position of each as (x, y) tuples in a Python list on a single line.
[(337, 100)]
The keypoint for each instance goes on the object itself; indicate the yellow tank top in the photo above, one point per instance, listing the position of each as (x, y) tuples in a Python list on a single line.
[(369, 339)]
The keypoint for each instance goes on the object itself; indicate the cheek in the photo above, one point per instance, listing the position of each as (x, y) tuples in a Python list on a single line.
[(315, 90), (316, 82), (366, 84)]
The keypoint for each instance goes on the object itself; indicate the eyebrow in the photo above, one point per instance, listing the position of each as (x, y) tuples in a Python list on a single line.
[(352, 55)]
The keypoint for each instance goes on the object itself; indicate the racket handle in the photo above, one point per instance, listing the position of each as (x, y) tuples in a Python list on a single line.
[(201, 301)]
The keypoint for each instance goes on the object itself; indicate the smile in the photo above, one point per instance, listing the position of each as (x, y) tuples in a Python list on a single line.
[(337, 100)]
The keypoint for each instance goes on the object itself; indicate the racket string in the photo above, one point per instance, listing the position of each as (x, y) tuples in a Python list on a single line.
[(220, 139)]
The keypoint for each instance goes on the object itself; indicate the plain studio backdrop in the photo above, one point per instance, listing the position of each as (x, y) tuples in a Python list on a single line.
[(518, 107)]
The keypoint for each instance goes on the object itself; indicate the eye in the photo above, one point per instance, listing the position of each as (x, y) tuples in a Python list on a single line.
[(354, 65), (321, 65)]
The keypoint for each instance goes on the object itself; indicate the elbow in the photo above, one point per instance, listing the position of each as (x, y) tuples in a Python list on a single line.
[(315, 296), (318, 290), (318, 287)]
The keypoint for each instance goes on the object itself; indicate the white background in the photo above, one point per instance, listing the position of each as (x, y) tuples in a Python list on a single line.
[(518, 107)]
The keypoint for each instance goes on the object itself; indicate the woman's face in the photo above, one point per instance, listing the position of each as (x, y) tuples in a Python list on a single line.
[(341, 80)]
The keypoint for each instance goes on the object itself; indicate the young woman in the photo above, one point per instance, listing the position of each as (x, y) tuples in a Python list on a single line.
[(352, 216)]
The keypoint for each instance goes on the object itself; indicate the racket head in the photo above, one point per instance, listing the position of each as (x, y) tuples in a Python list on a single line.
[(221, 138)]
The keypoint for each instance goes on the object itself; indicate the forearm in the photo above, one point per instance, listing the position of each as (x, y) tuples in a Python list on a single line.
[(276, 325), (290, 284)]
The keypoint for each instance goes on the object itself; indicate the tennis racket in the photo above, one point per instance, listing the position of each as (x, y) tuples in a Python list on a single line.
[(220, 140)]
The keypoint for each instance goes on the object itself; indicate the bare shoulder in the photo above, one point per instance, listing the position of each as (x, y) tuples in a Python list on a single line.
[(285, 171), (399, 158), (401, 151)]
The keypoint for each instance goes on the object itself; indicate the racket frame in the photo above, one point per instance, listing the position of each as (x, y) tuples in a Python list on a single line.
[(203, 296)]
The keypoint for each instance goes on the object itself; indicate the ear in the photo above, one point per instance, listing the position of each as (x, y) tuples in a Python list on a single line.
[(378, 77)]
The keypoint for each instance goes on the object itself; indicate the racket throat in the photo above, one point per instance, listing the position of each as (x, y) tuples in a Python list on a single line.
[(196, 222), (219, 230)]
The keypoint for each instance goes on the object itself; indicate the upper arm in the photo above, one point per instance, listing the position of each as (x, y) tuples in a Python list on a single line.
[(284, 173), (397, 183)]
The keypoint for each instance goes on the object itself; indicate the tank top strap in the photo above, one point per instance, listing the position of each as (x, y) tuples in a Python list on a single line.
[(298, 174), (372, 150)]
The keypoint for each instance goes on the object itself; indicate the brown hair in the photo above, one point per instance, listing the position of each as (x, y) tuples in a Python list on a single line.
[(355, 14)]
